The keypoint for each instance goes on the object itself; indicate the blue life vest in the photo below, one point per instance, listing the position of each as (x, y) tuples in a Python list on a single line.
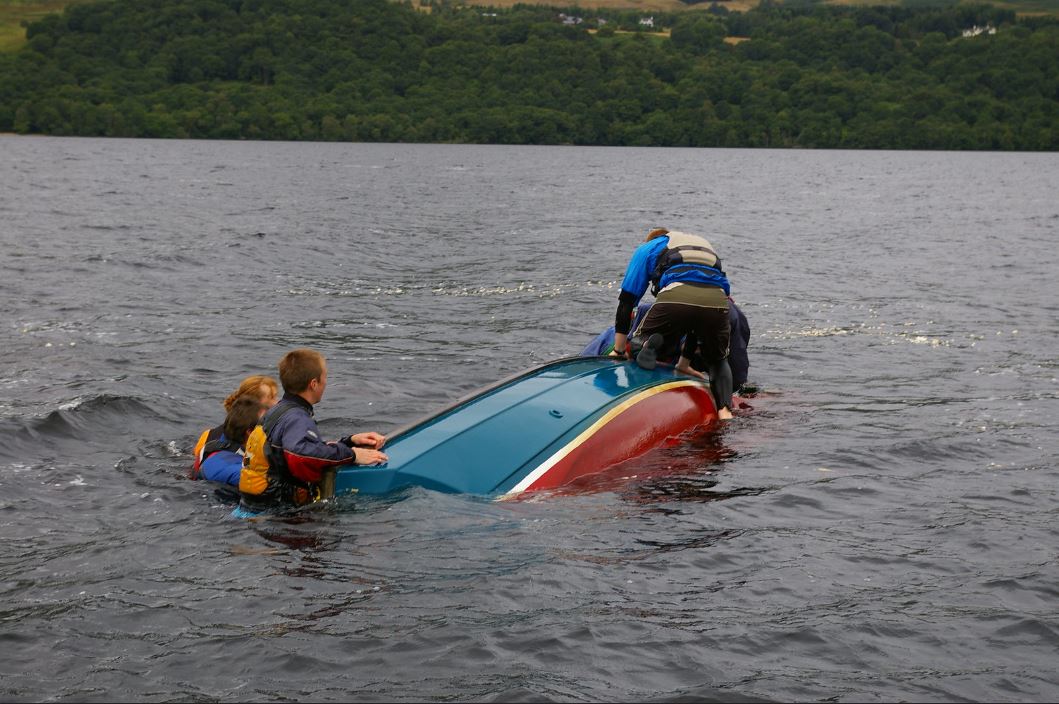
[(687, 259)]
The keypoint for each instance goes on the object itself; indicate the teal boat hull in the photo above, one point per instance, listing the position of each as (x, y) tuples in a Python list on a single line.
[(538, 430)]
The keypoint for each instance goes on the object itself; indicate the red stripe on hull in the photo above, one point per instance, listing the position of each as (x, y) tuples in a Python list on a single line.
[(653, 422)]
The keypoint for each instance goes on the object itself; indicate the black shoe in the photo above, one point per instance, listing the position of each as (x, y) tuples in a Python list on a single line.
[(648, 356), (634, 344)]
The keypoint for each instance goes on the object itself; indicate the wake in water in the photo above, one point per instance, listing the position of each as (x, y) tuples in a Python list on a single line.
[(86, 419)]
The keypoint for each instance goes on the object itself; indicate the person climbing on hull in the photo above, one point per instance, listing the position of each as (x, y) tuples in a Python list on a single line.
[(690, 314), (738, 358)]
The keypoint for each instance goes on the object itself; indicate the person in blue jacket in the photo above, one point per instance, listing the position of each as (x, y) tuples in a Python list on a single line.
[(263, 388), (690, 313), (222, 458), (738, 360)]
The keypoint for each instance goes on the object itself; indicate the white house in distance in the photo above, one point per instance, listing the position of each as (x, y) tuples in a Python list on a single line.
[(647, 22), (976, 30)]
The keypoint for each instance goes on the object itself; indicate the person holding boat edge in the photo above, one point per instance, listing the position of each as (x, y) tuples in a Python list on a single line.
[(285, 456), (691, 302)]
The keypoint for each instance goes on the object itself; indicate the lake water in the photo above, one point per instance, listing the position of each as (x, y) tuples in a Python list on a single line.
[(881, 526)]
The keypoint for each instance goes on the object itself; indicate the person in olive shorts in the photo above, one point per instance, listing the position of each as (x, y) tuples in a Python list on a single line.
[(691, 302), (739, 341)]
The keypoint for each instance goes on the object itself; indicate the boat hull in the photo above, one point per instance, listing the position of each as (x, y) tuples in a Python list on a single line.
[(539, 430)]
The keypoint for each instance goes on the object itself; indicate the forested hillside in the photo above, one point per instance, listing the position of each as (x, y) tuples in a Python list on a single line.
[(372, 70)]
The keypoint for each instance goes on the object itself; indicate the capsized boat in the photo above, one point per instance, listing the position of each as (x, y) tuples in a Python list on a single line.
[(539, 429)]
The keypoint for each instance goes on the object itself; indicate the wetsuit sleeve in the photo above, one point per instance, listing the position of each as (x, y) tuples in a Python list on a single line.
[(306, 454), (623, 317)]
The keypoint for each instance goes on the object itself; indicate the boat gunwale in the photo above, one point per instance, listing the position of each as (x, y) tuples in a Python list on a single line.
[(486, 390)]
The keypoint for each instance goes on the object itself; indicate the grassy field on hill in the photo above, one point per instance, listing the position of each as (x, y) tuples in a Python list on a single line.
[(643, 5), (13, 13), (1028, 7)]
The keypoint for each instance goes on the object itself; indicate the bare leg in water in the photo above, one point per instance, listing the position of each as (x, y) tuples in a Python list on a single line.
[(720, 384)]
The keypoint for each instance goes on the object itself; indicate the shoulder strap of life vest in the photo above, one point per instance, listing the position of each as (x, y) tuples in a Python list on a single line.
[(281, 409), (218, 444), (201, 453), (684, 252), (271, 420)]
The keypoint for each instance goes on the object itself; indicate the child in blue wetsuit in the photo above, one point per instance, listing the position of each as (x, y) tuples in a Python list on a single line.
[(262, 388), (223, 458)]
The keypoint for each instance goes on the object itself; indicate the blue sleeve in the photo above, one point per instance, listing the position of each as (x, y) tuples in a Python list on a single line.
[(641, 266), (223, 466), (600, 345)]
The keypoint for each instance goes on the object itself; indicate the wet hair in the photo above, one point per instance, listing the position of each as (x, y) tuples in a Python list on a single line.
[(298, 368), (656, 233), (251, 387), (242, 417)]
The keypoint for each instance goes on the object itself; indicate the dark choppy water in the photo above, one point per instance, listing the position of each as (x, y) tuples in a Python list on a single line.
[(881, 527)]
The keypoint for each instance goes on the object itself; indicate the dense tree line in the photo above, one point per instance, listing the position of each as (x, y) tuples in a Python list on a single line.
[(900, 77)]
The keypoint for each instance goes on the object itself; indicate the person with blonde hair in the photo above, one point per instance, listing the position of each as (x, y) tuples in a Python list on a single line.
[(264, 387), (691, 304), (264, 390)]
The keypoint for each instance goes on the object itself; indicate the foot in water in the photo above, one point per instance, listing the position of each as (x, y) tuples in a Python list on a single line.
[(724, 413), (647, 357)]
